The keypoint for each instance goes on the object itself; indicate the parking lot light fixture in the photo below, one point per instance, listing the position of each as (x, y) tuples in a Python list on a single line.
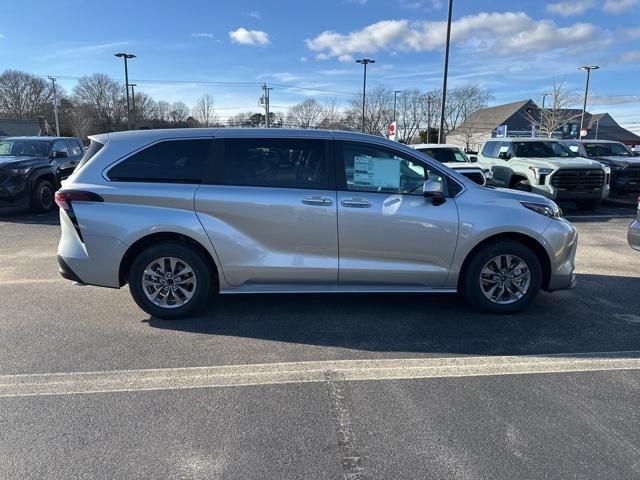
[(126, 56), (586, 68), (365, 62)]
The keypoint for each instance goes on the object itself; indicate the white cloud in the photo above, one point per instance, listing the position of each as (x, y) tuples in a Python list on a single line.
[(568, 9), (253, 14), (502, 32), (359, 2), (249, 37), (618, 6), (1, 35), (304, 59), (202, 35), (630, 57), (421, 4), (345, 58), (75, 50), (632, 33)]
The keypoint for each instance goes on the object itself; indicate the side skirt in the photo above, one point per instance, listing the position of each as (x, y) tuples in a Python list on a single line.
[(285, 288)]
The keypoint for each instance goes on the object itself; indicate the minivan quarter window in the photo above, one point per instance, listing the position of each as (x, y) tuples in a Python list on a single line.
[(276, 162), (167, 161)]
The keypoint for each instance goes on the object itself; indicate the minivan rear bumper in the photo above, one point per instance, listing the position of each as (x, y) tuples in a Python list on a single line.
[(562, 238), (66, 271)]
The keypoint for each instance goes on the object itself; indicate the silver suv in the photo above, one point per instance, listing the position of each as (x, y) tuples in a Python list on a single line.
[(181, 214), (547, 167)]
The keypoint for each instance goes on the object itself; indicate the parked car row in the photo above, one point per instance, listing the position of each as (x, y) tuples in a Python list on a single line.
[(32, 169)]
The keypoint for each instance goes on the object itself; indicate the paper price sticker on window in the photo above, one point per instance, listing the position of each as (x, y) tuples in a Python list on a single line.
[(376, 172)]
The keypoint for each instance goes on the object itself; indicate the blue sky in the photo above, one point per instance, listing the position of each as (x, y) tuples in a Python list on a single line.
[(515, 48)]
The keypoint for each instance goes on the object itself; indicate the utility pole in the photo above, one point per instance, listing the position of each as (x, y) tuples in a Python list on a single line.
[(444, 77), (429, 100), (133, 104), (395, 97), (266, 104), (126, 56), (544, 97), (588, 69), (55, 104), (365, 62)]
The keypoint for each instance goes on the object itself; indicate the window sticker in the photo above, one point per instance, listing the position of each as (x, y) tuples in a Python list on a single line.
[(376, 172)]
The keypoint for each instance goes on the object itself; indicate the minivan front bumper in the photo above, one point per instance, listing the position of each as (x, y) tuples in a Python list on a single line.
[(561, 238)]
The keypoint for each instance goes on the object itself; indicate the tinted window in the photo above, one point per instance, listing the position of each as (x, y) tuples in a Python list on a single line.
[(489, 149), (541, 149), (178, 161), (74, 147), (60, 146), (20, 147), (445, 155), (284, 163), (375, 169), (607, 150)]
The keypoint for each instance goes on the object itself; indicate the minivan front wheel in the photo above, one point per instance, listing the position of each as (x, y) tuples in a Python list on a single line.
[(502, 277), (170, 280)]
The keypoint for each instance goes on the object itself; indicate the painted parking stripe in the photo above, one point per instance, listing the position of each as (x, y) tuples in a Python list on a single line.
[(307, 372)]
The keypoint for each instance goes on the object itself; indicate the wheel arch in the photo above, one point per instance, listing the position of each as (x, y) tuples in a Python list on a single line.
[(44, 174), (530, 242), (142, 243)]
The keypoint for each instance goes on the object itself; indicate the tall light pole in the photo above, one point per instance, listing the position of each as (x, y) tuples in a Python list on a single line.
[(55, 104), (588, 69), (395, 99), (126, 56), (444, 77), (365, 62), (133, 104)]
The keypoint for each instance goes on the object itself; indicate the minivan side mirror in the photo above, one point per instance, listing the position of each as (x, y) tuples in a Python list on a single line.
[(504, 156), (473, 158), (434, 190)]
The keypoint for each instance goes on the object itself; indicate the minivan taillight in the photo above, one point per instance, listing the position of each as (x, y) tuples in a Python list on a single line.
[(65, 199)]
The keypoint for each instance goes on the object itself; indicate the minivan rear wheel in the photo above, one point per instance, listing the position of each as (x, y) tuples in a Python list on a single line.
[(170, 280), (502, 277)]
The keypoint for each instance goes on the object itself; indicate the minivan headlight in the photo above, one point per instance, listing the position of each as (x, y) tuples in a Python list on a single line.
[(548, 210)]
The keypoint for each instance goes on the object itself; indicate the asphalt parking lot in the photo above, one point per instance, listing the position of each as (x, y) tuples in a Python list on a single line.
[(320, 386)]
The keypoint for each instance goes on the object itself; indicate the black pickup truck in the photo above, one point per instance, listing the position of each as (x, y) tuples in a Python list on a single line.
[(31, 169)]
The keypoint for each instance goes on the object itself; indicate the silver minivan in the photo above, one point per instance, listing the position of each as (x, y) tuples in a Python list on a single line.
[(182, 214)]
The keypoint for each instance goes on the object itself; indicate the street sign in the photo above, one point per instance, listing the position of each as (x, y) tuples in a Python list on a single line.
[(583, 132), (533, 129), (393, 131), (501, 131)]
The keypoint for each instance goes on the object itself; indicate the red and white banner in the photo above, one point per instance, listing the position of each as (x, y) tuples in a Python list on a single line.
[(393, 131)]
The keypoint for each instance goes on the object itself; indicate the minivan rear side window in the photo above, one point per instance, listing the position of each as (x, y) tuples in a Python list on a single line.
[(276, 162), (168, 161)]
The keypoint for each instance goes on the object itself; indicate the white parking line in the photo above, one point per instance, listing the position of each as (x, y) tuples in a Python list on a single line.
[(306, 372), (27, 281), (593, 217)]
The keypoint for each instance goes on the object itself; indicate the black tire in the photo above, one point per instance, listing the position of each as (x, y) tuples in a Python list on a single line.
[(522, 185), (185, 253), (42, 197), (588, 205), (470, 281)]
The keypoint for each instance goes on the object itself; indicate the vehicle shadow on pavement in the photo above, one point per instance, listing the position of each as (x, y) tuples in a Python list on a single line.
[(582, 320), (23, 216)]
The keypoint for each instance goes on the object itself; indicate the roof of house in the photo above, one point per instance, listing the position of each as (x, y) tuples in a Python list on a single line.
[(490, 118), (20, 127)]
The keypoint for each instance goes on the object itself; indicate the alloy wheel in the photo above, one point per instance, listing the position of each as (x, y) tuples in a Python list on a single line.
[(505, 279), (169, 282)]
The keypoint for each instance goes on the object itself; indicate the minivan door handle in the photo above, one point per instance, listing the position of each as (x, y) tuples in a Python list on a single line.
[(317, 200), (356, 203)]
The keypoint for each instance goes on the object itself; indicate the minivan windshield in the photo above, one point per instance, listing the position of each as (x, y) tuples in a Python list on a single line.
[(541, 149), (607, 150), (23, 148), (445, 155)]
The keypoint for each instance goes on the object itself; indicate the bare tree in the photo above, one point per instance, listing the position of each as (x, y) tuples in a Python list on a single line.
[(331, 114), (105, 97), (163, 110), (80, 120), (410, 114), (560, 113), (23, 94), (462, 102), (179, 112), (378, 111), (306, 114), (146, 107), (239, 120), (204, 111)]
